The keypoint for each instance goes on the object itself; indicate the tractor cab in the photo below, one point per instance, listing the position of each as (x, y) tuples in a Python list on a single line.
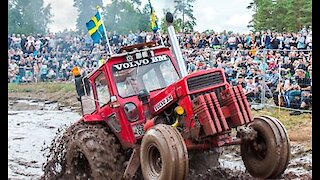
[(112, 93)]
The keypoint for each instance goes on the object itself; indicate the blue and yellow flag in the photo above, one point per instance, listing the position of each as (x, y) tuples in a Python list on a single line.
[(153, 18), (95, 28)]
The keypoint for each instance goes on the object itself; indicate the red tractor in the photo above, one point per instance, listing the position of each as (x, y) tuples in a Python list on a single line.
[(143, 114)]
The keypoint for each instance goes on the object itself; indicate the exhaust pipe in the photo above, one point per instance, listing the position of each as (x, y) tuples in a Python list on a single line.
[(175, 45)]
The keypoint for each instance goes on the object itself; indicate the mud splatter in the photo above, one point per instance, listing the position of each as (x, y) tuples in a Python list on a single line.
[(36, 150)]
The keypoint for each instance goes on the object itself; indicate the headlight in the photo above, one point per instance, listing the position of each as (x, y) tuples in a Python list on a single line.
[(179, 110), (131, 111)]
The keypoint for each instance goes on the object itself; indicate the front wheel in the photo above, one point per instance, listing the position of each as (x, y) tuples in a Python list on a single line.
[(163, 154), (266, 156)]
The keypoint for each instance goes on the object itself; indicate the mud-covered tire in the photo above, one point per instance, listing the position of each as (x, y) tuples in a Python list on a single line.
[(93, 153), (163, 154), (268, 155)]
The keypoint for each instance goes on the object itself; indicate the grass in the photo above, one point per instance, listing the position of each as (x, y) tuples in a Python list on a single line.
[(44, 87)]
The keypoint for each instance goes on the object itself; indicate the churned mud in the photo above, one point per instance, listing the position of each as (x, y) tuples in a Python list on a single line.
[(31, 127), (36, 134)]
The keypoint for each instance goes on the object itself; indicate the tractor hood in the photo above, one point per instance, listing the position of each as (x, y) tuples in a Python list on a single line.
[(192, 84)]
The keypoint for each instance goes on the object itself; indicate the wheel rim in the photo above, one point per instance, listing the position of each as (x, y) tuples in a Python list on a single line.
[(155, 161), (258, 148)]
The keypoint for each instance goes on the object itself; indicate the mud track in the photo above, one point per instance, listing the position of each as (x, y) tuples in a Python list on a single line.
[(33, 125)]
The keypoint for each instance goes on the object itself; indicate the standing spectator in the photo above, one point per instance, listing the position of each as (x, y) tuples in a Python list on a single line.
[(17, 42), (274, 42), (267, 40), (232, 42), (115, 39), (12, 71), (23, 43), (300, 42), (51, 42), (36, 71), (9, 41), (143, 35), (131, 38), (43, 71), (22, 69), (216, 42), (12, 41), (309, 40)]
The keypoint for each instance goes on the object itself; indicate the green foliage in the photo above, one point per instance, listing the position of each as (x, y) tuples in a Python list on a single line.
[(280, 15), (28, 16), (122, 16), (184, 11), (86, 10)]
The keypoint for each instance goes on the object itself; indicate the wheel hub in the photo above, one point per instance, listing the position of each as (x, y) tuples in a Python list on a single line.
[(156, 162)]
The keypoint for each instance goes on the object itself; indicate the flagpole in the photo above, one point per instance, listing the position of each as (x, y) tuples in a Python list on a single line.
[(161, 38), (104, 29)]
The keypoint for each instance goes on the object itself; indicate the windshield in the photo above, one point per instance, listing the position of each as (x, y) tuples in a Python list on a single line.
[(151, 74)]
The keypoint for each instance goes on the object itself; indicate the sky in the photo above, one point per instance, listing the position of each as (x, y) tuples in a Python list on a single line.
[(219, 15)]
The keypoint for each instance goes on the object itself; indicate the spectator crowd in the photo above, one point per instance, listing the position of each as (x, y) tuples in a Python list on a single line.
[(279, 64)]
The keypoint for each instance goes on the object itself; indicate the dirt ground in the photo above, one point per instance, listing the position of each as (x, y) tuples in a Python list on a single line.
[(231, 166)]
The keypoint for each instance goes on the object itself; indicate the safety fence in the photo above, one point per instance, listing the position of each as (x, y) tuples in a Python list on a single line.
[(273, 96)]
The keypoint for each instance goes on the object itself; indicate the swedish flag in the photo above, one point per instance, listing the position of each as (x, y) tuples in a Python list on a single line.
[(154, 20), (95, 28)]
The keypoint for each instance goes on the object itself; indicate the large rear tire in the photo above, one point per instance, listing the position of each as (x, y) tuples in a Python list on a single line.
[(93, 153), (268, 155), (163, 154)]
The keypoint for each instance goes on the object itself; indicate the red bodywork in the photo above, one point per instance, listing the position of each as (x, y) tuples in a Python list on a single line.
[(212, 107)]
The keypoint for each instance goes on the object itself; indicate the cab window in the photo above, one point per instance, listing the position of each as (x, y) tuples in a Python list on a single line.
[(103, 93), (151, 76), (169, 73)]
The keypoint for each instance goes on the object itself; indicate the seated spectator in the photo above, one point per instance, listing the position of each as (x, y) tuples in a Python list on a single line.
[(291, 92), (43, 71), (261, 88), (306, 101), (241, 81), (51, 74), (304, 85), (251, 90), (273, 79)]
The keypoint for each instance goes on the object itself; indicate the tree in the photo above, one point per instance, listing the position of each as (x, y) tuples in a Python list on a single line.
[(280, 15), (122, 16), (86, 9), (184, 10), (28, 16)]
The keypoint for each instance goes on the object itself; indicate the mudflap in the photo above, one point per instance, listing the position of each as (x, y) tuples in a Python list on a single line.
[(133, 164)]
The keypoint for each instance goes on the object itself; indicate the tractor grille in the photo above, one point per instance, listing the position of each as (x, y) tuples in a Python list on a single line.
[(204, 81), (216, 90)]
